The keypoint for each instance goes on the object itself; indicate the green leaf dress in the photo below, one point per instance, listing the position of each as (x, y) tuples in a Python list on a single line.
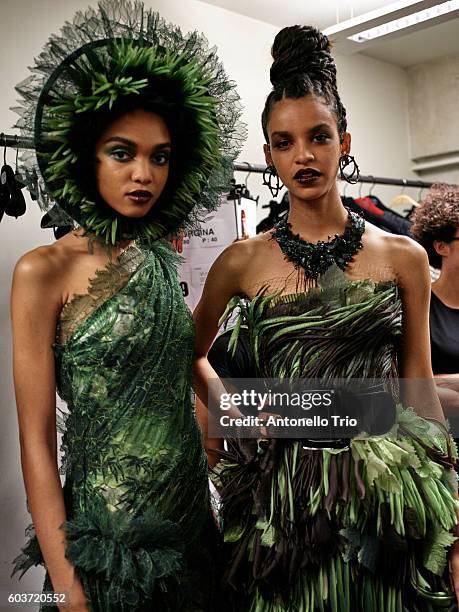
[(140, 531), (360, 528)]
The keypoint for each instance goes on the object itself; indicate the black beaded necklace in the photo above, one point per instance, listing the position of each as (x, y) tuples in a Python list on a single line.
[(316, 258)]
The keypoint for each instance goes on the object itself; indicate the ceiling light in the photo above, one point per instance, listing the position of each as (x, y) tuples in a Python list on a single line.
[(390, 21), (406, 22)]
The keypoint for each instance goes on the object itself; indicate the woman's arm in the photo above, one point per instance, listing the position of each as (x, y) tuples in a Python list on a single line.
[(212, 446), (35, 304), (411, 264), (222, 283), (414, 280)]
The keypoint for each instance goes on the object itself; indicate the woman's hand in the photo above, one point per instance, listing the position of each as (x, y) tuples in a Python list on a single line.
[(76, 598), (448, 382), (449, 399)]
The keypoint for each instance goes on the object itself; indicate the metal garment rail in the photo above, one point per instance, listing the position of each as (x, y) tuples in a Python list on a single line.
[(19, 142), (373, 180)]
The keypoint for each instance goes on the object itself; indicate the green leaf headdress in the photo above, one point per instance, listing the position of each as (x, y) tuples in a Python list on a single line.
[(108, 55)]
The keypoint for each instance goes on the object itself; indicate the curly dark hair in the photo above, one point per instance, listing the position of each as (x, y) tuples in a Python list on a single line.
[(436, 218), (303, 66)]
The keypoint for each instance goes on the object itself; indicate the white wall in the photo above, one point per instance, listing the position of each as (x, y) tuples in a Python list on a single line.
[(376, 99), (433, 90), (373, 92)]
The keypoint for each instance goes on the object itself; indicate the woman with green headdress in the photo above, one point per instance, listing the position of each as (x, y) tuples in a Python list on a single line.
[(134, 128)]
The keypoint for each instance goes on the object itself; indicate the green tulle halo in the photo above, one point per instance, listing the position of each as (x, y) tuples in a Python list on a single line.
[(123, 49)]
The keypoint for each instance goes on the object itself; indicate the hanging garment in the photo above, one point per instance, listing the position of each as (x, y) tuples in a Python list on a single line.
[(368, 204), (383, 218), (362, 527), (139, 527), (402, 225), (368, 215), (276, 211), (444, 337)]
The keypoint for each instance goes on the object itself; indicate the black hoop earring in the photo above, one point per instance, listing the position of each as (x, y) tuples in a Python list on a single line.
[(352, 176), (269, 173)]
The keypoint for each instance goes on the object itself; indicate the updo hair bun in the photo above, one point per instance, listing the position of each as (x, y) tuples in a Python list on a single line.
[(300, 51), (303, 66)]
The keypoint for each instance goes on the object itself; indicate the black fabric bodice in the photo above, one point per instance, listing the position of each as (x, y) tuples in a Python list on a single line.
[(444, 337)]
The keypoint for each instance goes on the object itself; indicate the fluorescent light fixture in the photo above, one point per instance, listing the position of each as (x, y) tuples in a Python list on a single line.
[(390, 21), (379, 16), (406, 22)]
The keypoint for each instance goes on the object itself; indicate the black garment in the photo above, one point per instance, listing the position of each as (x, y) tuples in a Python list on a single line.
[(276, 211), (236, 367), (241, 365), (367, 215), (444, 337), (400, 225), (390, 221)]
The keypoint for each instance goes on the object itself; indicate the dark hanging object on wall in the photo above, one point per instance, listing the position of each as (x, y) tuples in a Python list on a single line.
[(4, 195), (238, 191), (12, 200), (47, 222), (276, 211), (4, 191), (61, 231)]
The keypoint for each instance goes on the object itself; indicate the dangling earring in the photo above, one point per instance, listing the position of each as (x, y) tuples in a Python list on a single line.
[(352, 176), (269, 173)]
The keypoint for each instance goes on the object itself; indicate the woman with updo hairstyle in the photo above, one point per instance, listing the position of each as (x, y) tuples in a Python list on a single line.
[(436, 227), (323, 518)]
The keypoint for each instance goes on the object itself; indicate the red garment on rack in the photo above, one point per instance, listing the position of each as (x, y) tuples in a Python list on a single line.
[(368, 204)]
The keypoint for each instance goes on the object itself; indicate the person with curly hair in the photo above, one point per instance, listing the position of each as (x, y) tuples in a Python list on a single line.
[(311, 523), (134, 126), (436, 227)]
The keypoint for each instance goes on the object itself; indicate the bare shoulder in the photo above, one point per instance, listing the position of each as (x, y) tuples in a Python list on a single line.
[(42, 264), (408, 258), (238, 255), (38, 263), (229, 272), (43, 270), (404, 246), (398, 255)]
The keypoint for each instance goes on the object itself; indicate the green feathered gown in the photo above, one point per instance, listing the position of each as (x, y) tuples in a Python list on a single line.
[(139, 527), (359, 529)]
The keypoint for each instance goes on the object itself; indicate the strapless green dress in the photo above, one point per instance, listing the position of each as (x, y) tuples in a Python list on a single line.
[(139, 527), (365, 527)]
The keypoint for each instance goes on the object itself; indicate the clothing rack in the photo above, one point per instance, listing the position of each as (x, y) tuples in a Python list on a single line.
[(19, 142), (373, 180)]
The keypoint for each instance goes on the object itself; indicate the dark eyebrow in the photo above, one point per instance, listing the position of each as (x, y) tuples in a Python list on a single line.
[(130, 143), (321, 126), (280, 134), (316, 128), (163, 145)]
